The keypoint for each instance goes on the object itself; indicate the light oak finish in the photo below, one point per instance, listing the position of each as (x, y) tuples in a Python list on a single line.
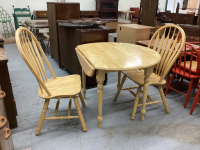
[(54, 88), (131, 33), (112, 57), (169, 50)]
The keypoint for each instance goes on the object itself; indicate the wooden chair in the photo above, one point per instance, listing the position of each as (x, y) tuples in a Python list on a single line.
[(54, 88), (169, 51), (189, 70)]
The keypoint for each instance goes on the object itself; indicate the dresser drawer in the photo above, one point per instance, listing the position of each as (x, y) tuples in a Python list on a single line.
[(41, 14)]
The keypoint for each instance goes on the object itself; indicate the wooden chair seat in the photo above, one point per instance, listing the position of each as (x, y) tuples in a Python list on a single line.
[(187, 66), (62, 87), (138, 77)]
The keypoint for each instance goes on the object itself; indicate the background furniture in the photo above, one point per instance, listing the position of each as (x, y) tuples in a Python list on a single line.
[(169, 54), (9, 101), (59, 11), (136, 13), (112, 57), (19, 13), (89, 14), (148, 12), (188, 70), (108, 9), (126, 15), (5, 19), (40, 15), (131, 33), (54, 88), (182, 18), (70, 37), (115, 24), (5, 143)]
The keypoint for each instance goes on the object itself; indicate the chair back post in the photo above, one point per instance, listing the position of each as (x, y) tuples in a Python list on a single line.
[(169, 46), (28, 47)]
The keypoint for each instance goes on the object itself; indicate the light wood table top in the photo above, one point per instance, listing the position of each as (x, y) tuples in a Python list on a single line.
[(112, 57), (119, 56)]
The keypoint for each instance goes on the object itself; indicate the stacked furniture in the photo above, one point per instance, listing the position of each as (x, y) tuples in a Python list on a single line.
[(21, 13), (40, 15), (89, 14), (71, 36), (108, 9), (59, 11), (9, 101), (188, 70)]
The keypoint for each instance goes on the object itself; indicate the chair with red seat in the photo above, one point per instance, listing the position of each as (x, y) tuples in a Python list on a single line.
[(188, 70)]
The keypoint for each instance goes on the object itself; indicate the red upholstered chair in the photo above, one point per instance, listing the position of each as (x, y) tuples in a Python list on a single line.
[(188, 70)]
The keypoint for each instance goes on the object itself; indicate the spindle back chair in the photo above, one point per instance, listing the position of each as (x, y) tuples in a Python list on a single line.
[(169, 46), (56, 87), (189, 70)]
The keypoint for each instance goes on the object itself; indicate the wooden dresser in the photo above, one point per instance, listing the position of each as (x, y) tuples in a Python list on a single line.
[(59, 11), (9, 101), (70, 37), (89, 14)]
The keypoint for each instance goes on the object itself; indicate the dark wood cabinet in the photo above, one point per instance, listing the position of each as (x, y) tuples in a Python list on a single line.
[(108, 9), (40, 14), (69, 38), (89, 14), (59, 11), (5, 83)]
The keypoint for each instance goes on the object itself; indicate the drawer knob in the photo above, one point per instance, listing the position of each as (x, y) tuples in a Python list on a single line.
[(3, 122), (7, 133)]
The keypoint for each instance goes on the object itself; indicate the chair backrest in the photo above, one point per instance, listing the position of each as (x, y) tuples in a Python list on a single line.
[(30, 50), (137, 11), (169, 46), (185, 63)]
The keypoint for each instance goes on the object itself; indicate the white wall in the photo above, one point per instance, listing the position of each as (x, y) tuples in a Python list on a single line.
[(84, 4)]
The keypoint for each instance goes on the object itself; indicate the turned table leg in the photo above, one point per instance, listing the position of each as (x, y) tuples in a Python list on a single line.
[(84, 84), (147, 73), (100, 75), (119, 78)]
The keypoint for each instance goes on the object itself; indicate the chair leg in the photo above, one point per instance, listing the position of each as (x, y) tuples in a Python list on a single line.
[(169, 84), (80, 114), (120, 87), (188, 93), (163, 98), (46, 103), (136, 103), (195, 102), (82, 100)]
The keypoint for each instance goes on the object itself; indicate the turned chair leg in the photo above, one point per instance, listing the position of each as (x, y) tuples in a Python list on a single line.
[(163, 98), (169, 84), (188, 93), (82, 100), (46, 103), (120, 87), (80, 114), (136, 103)]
